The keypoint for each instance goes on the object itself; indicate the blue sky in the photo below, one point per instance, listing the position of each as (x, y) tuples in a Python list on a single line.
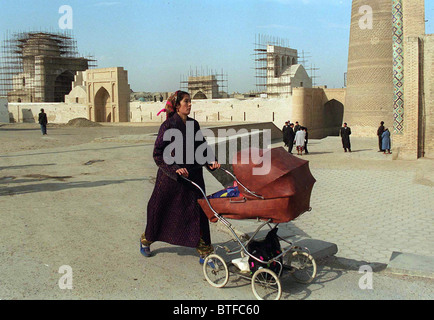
[(159, 41)]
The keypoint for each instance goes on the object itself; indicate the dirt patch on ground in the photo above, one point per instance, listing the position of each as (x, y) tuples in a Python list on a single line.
[(82, 122)]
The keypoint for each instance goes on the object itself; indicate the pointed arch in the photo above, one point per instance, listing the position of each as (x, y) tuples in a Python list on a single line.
[(102, 106), (63, 85), (200, 95)]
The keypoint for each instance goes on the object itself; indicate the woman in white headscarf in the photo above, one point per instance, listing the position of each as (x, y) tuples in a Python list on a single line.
[(300, 138)]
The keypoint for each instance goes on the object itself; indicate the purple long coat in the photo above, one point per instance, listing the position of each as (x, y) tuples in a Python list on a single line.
[(174, 215)]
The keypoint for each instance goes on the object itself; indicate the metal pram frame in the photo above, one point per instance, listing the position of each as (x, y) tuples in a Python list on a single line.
[(265, 283)]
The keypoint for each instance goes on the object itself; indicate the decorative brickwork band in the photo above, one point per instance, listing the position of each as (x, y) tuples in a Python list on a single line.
[(398, 67)]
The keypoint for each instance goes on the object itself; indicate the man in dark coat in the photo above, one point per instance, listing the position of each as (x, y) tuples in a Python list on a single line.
[(345, 135), (306, 140), (284, 135), (42, 119), (297, 127), (290, 136), (380, 134)]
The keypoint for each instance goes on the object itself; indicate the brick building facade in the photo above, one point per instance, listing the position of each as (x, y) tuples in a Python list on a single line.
[(390, 75)]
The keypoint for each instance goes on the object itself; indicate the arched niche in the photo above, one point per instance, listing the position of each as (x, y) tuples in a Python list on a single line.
[(199, 95), (63, 85), (102, 106)]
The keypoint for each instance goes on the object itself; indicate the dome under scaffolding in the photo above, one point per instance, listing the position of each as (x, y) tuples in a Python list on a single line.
[(39, 66)]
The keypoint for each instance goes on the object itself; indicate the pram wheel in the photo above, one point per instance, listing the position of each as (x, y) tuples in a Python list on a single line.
[(216, 271), (302, 266), (266, 285)]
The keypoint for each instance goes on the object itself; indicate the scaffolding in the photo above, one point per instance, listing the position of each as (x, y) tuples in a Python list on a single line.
[(264, 59), (312, 70), (39, 66), (204, 83), (267, 69)]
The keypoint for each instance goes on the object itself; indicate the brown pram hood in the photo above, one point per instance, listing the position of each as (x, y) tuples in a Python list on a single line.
[(285, 190), (288, 174)]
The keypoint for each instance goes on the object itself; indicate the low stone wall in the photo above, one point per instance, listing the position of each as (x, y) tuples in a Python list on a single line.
[(243, 137), (56, 112), (221, 110), (4, 112), (275, 132)]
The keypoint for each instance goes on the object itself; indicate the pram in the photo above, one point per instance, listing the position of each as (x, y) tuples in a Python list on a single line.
[(279, 197)]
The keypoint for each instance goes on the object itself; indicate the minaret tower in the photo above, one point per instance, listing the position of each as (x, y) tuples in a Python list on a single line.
[(370, 91)]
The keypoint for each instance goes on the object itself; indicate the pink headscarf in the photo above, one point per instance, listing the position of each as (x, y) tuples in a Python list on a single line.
[(170, 105)]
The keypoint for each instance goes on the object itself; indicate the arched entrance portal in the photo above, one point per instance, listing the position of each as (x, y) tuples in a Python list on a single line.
[(62, 86), (102, 106), (333, 116), (199, 95)]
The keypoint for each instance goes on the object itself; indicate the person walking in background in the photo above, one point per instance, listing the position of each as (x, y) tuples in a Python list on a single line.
[(300, 137), (386, 141), (284, 133), (345, 135), (297, 126), (290, 136), (43, 121), (380, 134), (306, 140)]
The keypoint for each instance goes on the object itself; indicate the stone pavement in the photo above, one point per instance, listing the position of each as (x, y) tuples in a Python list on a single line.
[(367, 205), (72, 198)]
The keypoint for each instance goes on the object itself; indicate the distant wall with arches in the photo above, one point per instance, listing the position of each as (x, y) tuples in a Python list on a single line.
[(321, 110)]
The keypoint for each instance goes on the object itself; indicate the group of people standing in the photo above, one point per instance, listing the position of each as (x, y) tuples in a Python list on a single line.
[(298, 135), (383, 134), (295, 134)]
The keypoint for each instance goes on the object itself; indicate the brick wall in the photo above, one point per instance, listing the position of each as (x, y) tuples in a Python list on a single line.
[(407, 143), (415, 142), (414, 17), (427, 114), (369, 98)]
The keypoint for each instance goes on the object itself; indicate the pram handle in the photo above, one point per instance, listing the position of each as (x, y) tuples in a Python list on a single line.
[(233, 176), (245, 188), (217, 215), (209, 204)]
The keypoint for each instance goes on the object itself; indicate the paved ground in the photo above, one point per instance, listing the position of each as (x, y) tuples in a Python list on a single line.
[(368, 204), (77, 197)]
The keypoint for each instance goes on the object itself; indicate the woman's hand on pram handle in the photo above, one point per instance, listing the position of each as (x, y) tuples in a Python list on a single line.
[(182, 172), (214, 165)]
